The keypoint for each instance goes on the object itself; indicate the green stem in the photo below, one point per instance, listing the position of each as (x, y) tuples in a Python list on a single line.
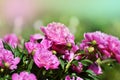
[(107, 61), (69, 63)]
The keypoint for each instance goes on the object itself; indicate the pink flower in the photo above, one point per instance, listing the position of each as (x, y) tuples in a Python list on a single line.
[(73, 78), (78, 68), (7, 59), (12, 40), (45, 58), (58, 33), (95, 68), (33, 46), (1, 44), (35, 37), (114, 46), (23, 76), (69, 54), (107, 45), (30, 46)]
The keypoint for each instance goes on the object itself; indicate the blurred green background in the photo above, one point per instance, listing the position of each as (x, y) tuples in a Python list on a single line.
[(24, 17)]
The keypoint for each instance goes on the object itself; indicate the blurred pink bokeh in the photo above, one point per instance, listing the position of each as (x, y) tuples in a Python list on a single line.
[(16, 8), (17, 13)]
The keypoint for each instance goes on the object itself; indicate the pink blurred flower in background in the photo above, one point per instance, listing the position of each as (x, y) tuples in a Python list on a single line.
[(1, 44), (18, 12), (16, 8), (12, 40), (23, 76)]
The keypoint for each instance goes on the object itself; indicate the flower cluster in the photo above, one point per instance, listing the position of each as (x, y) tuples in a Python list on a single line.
[(23, 76), (7, 59), (106, 44), (55, 55)]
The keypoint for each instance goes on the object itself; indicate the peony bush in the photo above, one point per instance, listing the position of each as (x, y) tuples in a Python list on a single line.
[(56, 56)]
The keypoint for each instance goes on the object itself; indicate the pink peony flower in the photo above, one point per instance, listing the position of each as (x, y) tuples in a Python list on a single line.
[(33, 46), (24, 76), (45, 58), (30, 46), (73, 78), (35, 37), (95, 68), (114, 46), (78, 68), (7, 59), (106, 44), (58, 33), (12, 40), (34, 43)]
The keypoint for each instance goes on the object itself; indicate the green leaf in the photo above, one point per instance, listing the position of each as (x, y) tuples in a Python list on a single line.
[(87, 79), (86, 62), (74, 74), (75, 63), (62, 63), (93, 77), (44, 72), (90, 72), (8, 47), (30, 65), (16, 51)]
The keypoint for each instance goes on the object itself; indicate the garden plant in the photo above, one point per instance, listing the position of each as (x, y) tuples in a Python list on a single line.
[(54, 55)]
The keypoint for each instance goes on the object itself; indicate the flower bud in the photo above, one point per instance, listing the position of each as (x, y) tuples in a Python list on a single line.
[(1, 70), (33, 52), (98, 61), (26, 62), (69, 45), (94, 42), (7, 65), (91, 49), (54, 52)]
